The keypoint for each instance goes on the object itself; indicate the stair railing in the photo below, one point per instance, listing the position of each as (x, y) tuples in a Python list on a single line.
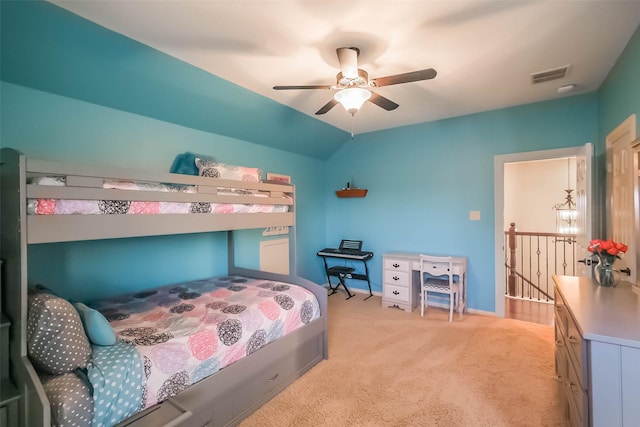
[(532, 258)]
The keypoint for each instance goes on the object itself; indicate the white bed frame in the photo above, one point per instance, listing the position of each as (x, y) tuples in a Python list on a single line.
[(224, 398)]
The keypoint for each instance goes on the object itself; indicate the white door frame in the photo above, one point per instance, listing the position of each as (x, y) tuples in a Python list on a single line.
[(498, 177)]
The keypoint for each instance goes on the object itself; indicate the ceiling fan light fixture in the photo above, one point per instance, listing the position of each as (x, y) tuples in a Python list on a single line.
[(352, 98), (348, 58)]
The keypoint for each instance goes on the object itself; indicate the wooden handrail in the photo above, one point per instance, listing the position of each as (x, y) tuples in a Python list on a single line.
[(539, 233), (544, 259)]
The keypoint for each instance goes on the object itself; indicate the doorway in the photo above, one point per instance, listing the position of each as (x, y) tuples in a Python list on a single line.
[(499, 201), (538, 203)]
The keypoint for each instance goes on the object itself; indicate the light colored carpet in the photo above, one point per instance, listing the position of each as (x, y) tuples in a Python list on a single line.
[(387, 367)]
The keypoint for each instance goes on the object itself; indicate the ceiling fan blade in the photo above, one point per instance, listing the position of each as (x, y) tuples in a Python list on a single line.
[(302, 87), (326, 107), (413, 76), (383, 102), (348, 59)]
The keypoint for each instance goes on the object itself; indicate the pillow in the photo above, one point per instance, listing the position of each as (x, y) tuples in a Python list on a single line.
[(185, 163), (96, 326), (213, 169), (56, 181), (70, 400), (56, 341), (117, 375)]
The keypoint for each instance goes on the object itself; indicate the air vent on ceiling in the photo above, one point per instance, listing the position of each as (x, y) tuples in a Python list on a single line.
[(545, 76)]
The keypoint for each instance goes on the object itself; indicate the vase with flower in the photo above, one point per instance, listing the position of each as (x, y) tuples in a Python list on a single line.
[(606, 253)]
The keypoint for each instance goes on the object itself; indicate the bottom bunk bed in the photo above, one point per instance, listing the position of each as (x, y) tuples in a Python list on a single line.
[(231, 341), (178, 366)]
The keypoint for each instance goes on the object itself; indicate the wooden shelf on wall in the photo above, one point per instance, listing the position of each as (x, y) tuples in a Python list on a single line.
[(352, 192)]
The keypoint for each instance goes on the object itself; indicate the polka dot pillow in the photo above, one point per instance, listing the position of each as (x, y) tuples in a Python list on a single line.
[(56, 340), (70, 400)]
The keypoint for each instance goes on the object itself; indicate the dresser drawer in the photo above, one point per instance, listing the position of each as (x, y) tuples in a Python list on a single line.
[(396, 264), (577, 399), (397, 293), (561, 315), (561, 356), (398, 278), (575, 345)]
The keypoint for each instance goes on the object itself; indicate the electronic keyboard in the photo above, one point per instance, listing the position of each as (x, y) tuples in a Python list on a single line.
[(345, 253)]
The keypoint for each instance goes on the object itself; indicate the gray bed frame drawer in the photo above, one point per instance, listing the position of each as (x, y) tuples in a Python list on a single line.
[(169, 413)]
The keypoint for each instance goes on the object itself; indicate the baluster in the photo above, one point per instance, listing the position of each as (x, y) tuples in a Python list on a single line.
[(512, 259)]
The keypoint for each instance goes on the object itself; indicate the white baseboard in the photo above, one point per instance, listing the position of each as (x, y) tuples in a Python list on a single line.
[(444, 305)]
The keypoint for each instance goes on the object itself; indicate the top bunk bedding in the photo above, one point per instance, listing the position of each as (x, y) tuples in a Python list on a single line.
[(66, 202), (51, 206)]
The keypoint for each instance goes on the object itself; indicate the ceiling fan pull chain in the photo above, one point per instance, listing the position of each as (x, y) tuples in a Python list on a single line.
[(353, 119)]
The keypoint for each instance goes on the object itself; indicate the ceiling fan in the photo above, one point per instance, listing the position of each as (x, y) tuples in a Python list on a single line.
[(353, 84)]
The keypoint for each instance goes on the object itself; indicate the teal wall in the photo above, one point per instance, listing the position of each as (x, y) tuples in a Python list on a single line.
[(48, 48), (619, 97), (48, 126), (74, 91), (423, 180)]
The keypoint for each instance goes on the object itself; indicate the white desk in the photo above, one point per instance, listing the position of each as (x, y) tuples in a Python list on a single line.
[(401, 280)]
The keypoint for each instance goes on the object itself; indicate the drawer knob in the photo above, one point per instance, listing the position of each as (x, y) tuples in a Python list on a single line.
[(396, 265), (573, 387), (396, 293), (573, 340), (395, 278), (273, 378)]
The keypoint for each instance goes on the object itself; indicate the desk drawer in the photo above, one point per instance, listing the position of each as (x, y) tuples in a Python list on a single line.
[(396, 264), (396, 293), (398, 278)]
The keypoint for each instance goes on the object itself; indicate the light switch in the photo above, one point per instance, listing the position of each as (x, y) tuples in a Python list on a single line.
[(474, 215)]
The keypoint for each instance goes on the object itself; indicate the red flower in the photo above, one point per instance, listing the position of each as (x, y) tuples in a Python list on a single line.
[(606, 247)]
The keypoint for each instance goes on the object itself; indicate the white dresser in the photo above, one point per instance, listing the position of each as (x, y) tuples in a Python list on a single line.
[(401, 279), (598, 351)]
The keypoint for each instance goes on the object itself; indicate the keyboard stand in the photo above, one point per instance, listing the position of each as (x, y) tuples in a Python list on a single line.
[(361, 256), (340, 273)]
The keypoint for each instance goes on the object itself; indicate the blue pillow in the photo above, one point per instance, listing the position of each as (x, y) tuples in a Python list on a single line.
[(185, 163), (96, 326)]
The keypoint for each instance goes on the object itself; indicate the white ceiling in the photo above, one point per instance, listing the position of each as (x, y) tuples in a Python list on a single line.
[(483, 50)]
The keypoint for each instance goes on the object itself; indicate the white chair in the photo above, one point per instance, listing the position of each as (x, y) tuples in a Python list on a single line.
[(436, 275)]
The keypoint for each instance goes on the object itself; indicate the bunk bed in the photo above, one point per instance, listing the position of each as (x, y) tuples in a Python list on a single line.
[(35, 198)]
